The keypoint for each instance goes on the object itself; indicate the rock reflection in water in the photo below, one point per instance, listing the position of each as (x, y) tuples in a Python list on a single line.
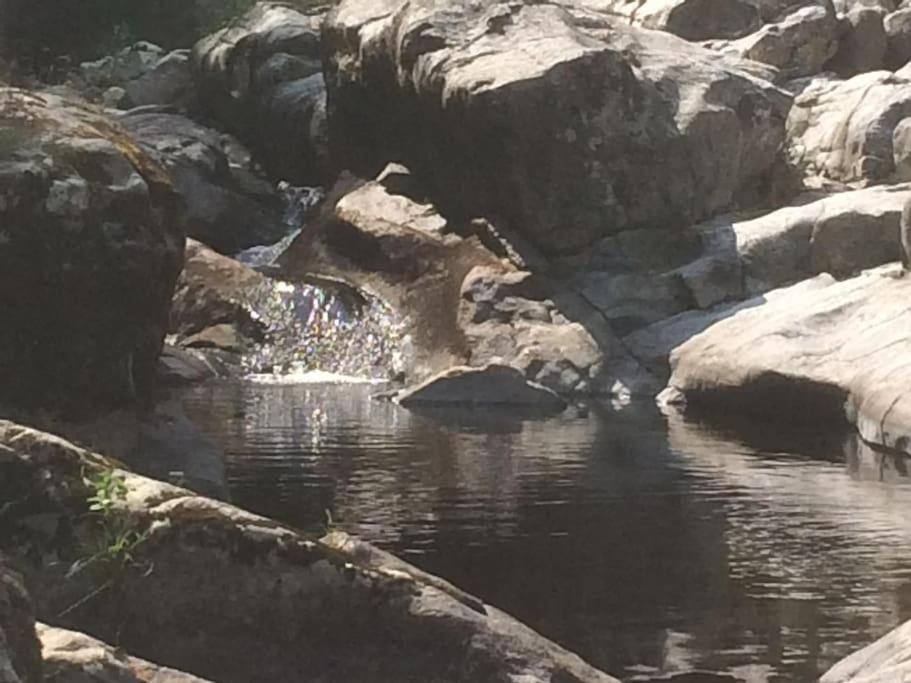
[(649, 544)]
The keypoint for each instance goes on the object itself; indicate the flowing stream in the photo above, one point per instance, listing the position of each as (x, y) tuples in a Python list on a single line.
[(649, 544)]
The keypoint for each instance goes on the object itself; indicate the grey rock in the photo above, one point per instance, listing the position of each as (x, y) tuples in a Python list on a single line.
[(90, 248), (525, 105), (72, 657), (116, 70), (281, 602), (862, 42), (492, 384), (835, 352), (690, 19), (798, 45), (888, 660), (20, 651), (169, 82), (220, 206), (842, 131), (898, 37), (261, 78)]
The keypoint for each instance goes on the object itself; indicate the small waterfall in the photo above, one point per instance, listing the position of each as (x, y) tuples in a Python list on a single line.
[(321, 328)]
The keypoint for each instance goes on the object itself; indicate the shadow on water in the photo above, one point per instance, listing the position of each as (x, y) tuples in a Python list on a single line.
[(650, 544)]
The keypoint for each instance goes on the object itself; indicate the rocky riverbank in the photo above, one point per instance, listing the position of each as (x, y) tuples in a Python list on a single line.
[(552, 201)]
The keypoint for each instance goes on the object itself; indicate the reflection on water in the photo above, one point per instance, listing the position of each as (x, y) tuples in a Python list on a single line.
[(646, 543)]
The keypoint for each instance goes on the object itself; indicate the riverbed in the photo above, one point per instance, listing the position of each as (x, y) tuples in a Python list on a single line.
[(649, 543)]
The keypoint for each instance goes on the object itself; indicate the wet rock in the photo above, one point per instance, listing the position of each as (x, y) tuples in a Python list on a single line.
[(888, 660), (508, 127), (862, 42), (488, 385), (20, 652), (833, 352), (691, 19), (842, 131), (223, 205), (261, 77), (72, 657), (798, 45), (280, 603), (90, 248)]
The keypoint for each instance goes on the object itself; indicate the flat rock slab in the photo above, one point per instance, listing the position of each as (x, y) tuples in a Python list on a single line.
[(835, 351), (489, 385), (888, 660)]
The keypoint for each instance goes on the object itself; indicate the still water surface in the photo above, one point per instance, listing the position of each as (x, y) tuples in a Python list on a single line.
[(647, 543)]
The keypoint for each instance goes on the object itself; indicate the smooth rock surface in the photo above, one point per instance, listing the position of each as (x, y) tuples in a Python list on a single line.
[(888, 660), (545, 115), (489, 385), (90, 248), (832, 352)]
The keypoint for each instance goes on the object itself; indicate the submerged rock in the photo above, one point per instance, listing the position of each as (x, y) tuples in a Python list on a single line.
[(489, 385), (90, 248), (279, 604), (560, 120)]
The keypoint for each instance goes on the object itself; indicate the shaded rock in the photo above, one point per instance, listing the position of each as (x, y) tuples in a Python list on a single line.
[(20, 652), (72, 657), (129, 63), (507, 318), (888, 660), (840, 234), (90, 248), (690, 19), (898, 36), (862, 42), (508, 111), (295, 603), (261, 77), (488, 385), (843, 130), (798, 45), (168, 83), (223, 204), (833, 352)]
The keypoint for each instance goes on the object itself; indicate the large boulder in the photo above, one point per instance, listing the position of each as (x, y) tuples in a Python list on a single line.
[(842, 131), (862, 42), (837, 351), (261, 77), (224, 204), (559, 119), (798, 45), (690, 19), (90, 249), (20, 652), (281, 603), (898, 35)]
